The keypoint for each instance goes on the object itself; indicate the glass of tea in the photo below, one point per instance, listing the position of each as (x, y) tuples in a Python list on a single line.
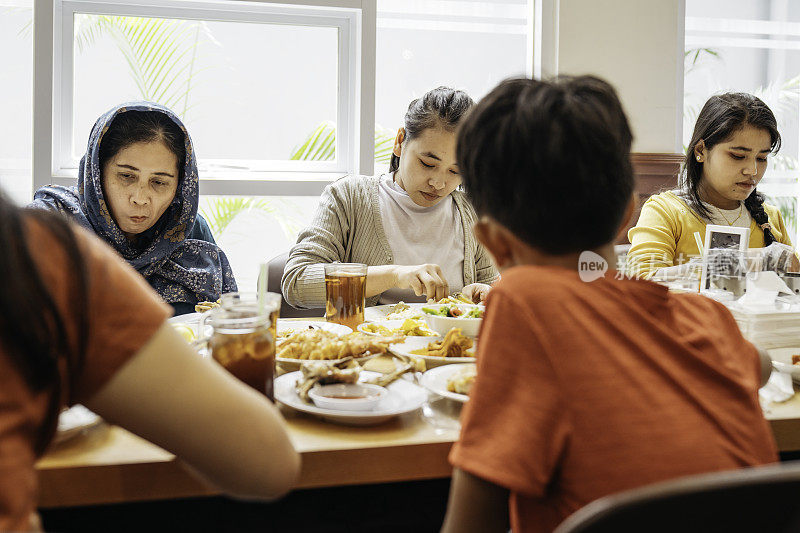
[(269, 300), (243, 342), (345, 288)]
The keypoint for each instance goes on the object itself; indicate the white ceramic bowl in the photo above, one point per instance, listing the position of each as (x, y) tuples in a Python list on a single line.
[(347, 396), (443, 324)]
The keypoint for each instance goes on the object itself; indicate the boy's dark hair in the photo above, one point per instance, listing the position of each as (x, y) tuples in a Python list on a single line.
[(550, 160), (441, 106), (721, 117)]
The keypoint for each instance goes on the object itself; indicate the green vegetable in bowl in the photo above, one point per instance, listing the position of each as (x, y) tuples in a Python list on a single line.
[(454, 312)]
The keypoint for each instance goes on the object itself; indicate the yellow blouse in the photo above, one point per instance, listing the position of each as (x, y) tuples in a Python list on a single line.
[(664, 234)]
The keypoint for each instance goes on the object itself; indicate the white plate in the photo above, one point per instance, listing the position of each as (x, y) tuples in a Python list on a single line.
[(403, 397), (378, 312), (193, 320), (782, 361), (431, 361), (74, 421), (435, 380)]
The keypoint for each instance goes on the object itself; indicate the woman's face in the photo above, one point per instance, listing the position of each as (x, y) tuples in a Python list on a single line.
[(428, 171), (139, 183), (733, 168)]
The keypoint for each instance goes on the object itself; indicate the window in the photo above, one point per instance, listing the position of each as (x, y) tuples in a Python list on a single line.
[(750, 46), (280, 96), (17, 87), (271, 93), (469, 45)]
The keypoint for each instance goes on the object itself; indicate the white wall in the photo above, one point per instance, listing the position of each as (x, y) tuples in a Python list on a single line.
[(637, 45)]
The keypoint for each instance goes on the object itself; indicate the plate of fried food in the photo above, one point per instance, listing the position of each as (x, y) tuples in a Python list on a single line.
[(401, 396), (451, 381), (455, 347), (324, 345), (410, 327)]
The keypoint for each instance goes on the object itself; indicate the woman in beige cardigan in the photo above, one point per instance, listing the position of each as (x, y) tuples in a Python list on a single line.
[(411, 226)]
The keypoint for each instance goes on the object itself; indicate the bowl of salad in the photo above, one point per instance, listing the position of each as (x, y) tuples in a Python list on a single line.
[(441, 318)]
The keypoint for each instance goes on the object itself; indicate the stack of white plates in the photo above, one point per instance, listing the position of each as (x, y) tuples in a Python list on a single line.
[(769, 327)]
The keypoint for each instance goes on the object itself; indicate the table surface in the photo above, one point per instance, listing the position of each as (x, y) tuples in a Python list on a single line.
[(107, 464), (110, 465)]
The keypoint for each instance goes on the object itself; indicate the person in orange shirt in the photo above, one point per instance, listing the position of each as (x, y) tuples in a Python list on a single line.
[(79, 325), (588, 383)]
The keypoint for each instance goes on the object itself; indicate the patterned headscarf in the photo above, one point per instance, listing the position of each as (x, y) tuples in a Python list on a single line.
[(178, 268)]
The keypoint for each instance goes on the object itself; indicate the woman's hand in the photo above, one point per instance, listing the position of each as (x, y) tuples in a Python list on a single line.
[(477, 292), (422, 279)]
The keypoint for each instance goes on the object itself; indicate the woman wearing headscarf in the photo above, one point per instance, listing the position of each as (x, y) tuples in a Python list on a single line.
[(138, 191)]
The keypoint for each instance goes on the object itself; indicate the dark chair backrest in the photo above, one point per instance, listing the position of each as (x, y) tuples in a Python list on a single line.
[(752, 499), (275, 268)]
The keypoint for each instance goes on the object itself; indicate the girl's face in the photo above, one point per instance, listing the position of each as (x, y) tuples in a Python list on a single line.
[(428, 171), (139, 183), (733, 168)]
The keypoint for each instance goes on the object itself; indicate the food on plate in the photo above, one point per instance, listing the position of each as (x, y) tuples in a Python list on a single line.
[(402, 311), (286, 333), (202, 307), (348, 370), (316, 344), (461, 382), (454, 311), (407, 364), (186, 331), (456, 298), (326, 373), (796, 359), (454, 344), (409, 327)]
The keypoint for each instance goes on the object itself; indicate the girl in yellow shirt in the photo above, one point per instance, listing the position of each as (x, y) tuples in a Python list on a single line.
[(725, 161)]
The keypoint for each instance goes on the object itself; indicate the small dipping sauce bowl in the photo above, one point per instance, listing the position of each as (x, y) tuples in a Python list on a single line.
[(347, 396)]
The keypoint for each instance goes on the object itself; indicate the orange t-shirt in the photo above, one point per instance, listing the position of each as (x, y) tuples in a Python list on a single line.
[(587, 389), (123, 314)]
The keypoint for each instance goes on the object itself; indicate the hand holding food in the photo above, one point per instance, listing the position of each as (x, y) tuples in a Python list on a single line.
[(422, 279), (475, 292)]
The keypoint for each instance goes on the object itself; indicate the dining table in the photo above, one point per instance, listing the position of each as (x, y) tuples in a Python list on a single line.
[(105, 464)]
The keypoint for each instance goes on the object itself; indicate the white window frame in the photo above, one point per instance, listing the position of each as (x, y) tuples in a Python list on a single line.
[(354, 19)]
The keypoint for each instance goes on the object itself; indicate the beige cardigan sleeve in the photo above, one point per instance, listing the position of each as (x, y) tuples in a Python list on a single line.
[(323, 241)]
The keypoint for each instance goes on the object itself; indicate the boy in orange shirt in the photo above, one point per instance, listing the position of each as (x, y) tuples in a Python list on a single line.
[(587, 384)]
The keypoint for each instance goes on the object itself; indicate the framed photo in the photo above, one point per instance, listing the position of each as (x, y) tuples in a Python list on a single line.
[(722, 238)]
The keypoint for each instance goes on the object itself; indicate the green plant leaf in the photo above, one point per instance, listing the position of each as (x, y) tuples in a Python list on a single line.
[(320, 145), (220, 212), (160, 53)]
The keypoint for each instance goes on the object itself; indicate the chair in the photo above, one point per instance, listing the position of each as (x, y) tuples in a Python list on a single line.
[(275, 269), (752, 499)]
